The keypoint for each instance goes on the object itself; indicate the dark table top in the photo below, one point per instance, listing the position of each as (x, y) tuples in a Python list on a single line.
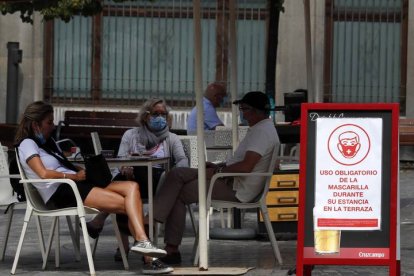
[(288, 133)]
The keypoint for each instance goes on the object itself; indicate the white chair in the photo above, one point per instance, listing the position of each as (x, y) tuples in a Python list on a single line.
[(66, 145), (260, 202), (8, 199), (36, 207), (221, 137), (224, 138), (97, 146), (66, 141), (190, 148)]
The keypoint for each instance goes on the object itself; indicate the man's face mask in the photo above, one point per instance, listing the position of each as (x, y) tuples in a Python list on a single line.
[(223, 101), (243, 121)]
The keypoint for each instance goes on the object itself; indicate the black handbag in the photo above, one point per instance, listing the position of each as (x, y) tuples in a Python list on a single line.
[(97, 170)]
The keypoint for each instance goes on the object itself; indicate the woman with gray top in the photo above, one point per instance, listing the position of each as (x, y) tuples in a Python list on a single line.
[(151, 138)]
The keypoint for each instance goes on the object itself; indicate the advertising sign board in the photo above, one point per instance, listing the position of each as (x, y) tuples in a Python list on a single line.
[(348, 186)]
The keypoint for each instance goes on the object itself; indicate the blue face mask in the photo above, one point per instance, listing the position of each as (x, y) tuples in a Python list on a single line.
[(243, 121), (40, 138), (157, 123), (223, 101)]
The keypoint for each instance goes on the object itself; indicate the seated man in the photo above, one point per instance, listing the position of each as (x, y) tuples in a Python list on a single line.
[(213, 98), (252, 155)]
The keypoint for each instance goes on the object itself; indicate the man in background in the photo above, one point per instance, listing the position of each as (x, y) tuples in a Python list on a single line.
[(213, 98)]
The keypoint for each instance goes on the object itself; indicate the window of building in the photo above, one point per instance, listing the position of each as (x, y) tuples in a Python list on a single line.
[(140, 49), (366, 51)]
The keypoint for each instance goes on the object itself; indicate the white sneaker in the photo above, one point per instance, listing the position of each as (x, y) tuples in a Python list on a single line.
[(148, 249)]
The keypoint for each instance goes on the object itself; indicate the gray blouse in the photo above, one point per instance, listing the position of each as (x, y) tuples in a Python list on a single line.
[(173, 147)]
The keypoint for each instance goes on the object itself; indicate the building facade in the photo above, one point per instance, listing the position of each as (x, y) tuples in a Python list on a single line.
[(360, 53)]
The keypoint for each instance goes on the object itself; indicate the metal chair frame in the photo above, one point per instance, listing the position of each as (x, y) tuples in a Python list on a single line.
[(260, 202), (36, 207)]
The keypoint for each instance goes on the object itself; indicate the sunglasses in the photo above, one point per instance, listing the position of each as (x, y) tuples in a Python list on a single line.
[(156, 114), (244, 108)]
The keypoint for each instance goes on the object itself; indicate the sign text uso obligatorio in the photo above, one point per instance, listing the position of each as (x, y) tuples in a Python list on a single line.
[(348, 196), (348, 172)]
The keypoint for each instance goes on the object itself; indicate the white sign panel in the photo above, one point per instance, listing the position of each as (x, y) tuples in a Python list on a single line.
[(348, 173)]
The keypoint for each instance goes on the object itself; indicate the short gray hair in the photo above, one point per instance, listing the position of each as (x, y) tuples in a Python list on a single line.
[(147, 108)]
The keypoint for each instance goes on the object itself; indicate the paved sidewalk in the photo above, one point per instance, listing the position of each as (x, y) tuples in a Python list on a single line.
[(255, 253)]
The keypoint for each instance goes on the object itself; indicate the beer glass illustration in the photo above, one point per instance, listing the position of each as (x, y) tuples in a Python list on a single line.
[(327, 241)]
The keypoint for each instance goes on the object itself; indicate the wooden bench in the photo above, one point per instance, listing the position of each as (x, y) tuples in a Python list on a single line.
[(109, 123), (78, 125), (7, 133)]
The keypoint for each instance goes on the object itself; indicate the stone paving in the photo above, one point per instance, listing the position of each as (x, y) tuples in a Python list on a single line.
[(251, 253)]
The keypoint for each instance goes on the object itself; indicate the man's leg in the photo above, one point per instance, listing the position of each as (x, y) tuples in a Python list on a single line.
[(223, 190), (170, 209), (168, 194), (175, 223)]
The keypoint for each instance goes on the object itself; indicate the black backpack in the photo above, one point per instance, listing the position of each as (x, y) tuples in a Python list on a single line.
[(17, 187)]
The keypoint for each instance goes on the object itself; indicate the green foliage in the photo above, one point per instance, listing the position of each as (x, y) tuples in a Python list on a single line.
[(64, 9), (51, 9)]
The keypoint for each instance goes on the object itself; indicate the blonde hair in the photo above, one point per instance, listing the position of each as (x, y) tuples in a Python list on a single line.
[(35, 112)]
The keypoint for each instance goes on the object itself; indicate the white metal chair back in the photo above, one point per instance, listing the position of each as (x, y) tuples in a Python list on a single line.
[(8, 199), (97, 146), (67, 145), (261, 198), (223, 137), (259, 202), (33, 197), (6, 190), (209, 137), (190, 148), (227, 134), (270, 171)]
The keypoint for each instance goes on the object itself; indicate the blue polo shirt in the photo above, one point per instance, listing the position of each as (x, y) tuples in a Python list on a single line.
[(211, 119)]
